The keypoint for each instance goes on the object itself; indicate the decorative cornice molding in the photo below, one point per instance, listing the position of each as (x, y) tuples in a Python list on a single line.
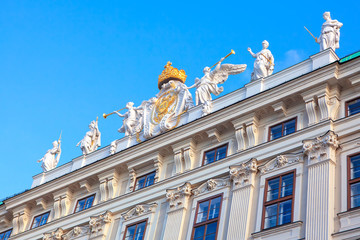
[(280, 161), (321, 148), (176, 196), (139, 210), (211, 185), (97, 223), (242, 174), (76, 232)]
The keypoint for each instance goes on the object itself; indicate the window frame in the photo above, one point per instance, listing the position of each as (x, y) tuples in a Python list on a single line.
[(215, 148), (350, 181), (282, 130), (136, 223), (347, 106), (4, 232), (279, 200), (144, 175), (195, 225), (32, 223), (77, 202)]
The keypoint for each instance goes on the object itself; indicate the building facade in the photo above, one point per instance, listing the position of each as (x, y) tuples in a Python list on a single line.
[(276, 159)]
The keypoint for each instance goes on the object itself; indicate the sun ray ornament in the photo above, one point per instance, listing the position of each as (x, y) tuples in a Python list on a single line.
[(208, 84)]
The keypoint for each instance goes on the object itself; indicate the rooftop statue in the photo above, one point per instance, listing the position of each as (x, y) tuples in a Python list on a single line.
[(264, 63), (92, 139), (132, 119), (208, 84), (51, 157), (330, 33)]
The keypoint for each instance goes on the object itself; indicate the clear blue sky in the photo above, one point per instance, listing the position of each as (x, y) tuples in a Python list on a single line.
[(62, 63)]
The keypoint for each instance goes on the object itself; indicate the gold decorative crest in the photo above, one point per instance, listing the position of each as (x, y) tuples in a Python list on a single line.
[(171, 73), (165, 104)]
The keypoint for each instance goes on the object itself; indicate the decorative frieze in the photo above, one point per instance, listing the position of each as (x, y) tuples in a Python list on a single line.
[(321, 148), (211, 185), (178, 196), (139, 210), (76, 232), (280, 161), (55, 235), (98, 223), (243, 174)]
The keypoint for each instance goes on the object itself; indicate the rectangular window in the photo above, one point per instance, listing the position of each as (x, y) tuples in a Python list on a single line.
[(145, 181), (278, 200), (40, 220), (353, 107), (5, 235), (282, 129), (135, 231), (206, 219), (84, 203), (215, 154), (354, 181)]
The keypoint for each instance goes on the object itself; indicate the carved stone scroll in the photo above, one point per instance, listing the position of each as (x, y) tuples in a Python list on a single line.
[(280, 161), (243, 174), (177, 196), (210, 185), (139, 210)]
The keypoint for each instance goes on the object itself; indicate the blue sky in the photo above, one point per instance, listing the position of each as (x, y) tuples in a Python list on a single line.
[(62, 63)]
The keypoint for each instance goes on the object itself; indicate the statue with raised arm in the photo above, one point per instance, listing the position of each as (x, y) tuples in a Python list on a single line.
[(264, 63), (132, 119), (330, 33), (208, 84), (51, 157), (92, 139)]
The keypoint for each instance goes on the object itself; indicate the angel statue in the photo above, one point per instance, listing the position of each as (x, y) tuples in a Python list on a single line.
[(264, 63), (330, 33), (92, 139), (208, 84), (51, 157), (132, 119)]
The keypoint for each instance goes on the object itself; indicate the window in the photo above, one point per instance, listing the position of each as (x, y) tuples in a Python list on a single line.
[(135, 231), (5, 235), (353, 107), (207, 219), (84, 203), (282, 129), (215, 154), (278, 200), (40, 220), (145, 181), (354, 181)]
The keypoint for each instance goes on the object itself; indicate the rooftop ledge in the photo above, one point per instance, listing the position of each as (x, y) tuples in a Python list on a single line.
[(314, 62)]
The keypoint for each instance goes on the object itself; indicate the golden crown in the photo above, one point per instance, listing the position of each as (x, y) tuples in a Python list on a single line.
[(171, 73)]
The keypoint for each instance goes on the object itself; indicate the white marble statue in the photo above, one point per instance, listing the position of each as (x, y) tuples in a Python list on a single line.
[(264, 63), (113, 146), (51, 157), (132, 119), (330, 33), (208, 84), (92, 139)]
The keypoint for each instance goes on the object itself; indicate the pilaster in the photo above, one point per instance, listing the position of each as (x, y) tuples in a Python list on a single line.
[(239, 134), (108, 183), (176, 216), (184, 155), (62, 202), (99, 226), (21, 218), (252, 131), (243, 177), (321, 159)]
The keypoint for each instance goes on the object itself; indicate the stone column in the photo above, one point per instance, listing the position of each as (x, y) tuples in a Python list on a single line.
[(321, 157), (243, 177), (176, 216)]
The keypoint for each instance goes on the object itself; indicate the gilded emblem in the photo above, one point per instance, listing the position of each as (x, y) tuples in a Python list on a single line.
[(165, 104)]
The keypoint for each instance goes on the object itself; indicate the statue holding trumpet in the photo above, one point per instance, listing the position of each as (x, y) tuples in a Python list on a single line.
[(132, 119), (208, 84), (92, 139), (52, 156), (264, 62)]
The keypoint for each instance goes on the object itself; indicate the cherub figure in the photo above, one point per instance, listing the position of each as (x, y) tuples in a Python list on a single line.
[(208, 84), (51, 157), (92, 139)]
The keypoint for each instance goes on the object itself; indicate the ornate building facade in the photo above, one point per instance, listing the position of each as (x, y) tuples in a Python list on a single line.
[(276, 159)]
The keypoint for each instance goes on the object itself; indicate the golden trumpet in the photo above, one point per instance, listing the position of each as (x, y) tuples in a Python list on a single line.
[(232, 52), (106, 115)]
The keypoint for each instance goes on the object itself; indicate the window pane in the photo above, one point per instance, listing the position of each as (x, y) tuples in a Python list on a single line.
[(89, 202), (209, 157), (273, 189), (354, 107), (270, 216), (80, 205), (285, 212), (355, 195), (44, 219), (130, 232), (276, 132), (211, 231), (36, 222), (221, 153), (1, 236), (150, 179), (202, 212), (140, 183), (6, 235), (355, 166), (287, 185), (289, 127), (214, 208), (199, 232), (140, 231)]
